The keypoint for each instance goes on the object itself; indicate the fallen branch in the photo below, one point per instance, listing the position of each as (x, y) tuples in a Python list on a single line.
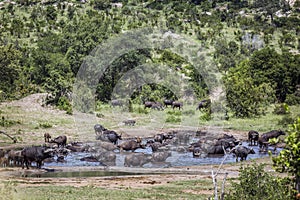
[(13, 138)]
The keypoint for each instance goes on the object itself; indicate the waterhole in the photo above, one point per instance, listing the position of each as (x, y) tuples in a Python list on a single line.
[(177, 159)]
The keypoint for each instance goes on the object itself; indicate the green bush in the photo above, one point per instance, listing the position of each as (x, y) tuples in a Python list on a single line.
[(141, 110), (64, 104), (292, 99), (173, 116), (256, 184), (174, 112), (286, 120), (99, 115), (281, 109), (45, 125), (206, 115), (173, 119), (7, 122)]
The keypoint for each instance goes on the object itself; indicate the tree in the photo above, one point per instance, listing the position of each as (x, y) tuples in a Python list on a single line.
[(101, 4), (9, 69), (244, 97), (226, 54), (279, 70), (270, 7), (289, 159)]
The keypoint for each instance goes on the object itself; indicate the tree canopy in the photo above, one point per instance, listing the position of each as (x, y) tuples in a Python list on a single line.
[(43, 45)]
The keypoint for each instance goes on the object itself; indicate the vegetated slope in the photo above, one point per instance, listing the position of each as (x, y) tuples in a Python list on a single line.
[(44, 43)]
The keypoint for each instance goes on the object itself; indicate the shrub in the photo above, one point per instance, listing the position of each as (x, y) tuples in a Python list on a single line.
[(292, 99), (206, 116), (174, 112), (281, 109), (141, 110), (64, 104), (45, 125), (173, 116), (256, 184), (286, 120), (173, 119), (8, 122), (99, 115)]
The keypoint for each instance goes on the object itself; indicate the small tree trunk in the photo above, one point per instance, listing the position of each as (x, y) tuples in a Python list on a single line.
[(214, 179), (223, 187), (298, 183)]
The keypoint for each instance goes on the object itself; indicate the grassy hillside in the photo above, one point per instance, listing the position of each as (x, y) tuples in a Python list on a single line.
[(253, 45)]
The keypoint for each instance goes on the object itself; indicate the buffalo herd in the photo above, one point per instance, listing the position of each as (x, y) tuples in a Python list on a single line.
[(157, 105), (161, 144)]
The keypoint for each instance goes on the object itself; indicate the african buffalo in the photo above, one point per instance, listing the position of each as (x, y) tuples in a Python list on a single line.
[(227, 143), (89, 159), (196, 152), (177, 104), (108, 146), (253, 137), (160, 156), (194, 145), (47, 137), (129, 122), (148, 104), (108, 158), (77, 147), (131, 145), (160, 137), (203, 104), (35, 154), (263, 140), (136, 159), (109, 136), (99, 129), (216, 149), (157, 106), (116, 102), (14, 157), (222, 144), (168, 102), (154, 145), (242, 152), (4, 161), (113, 136), (61, 141)]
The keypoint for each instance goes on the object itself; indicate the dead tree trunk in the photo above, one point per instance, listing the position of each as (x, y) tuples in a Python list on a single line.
[(13, 138)]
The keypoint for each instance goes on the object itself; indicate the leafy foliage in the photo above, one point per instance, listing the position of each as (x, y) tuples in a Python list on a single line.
[(10, 69), (282, 109), (173, 116), (280, 70), (7, 122), (43, 45), (244, 97), (256, 184), (289, 159)]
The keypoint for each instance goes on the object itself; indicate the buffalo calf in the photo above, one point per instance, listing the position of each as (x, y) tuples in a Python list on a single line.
[(61, 141), (242, 152), (253, 137)]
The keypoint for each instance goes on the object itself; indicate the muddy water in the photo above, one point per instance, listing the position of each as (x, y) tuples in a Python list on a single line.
[(176, 159)]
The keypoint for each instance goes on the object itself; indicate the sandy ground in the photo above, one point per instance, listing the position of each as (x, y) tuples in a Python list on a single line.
[(29, 111)]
